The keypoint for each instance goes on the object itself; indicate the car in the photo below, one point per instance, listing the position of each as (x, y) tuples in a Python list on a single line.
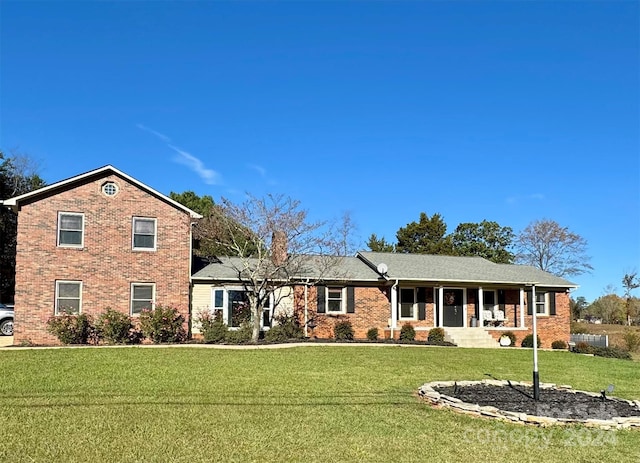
[(6, 319)]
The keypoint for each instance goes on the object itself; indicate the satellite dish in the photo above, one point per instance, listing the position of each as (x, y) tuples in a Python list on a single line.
[(382, 268)]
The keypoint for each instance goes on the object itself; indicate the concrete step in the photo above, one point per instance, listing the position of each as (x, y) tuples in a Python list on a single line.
[(469, 337)]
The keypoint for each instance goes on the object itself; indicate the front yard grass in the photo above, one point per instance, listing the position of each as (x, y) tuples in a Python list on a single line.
[(307, 404)]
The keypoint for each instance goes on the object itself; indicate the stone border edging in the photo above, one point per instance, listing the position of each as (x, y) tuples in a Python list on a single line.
[(428, 393)]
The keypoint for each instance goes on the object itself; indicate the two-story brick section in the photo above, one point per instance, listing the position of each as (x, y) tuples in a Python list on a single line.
[(94, 241)]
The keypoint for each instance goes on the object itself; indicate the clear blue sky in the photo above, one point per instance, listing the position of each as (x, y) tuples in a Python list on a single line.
[(507, 111)]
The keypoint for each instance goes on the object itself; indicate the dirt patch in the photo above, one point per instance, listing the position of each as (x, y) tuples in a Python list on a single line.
[(556, 403)]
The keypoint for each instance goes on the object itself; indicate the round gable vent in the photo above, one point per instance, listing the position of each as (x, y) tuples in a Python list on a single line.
[(110, 189)]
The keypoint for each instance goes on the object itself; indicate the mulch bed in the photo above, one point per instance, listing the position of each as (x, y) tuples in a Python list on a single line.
[(553, 402)]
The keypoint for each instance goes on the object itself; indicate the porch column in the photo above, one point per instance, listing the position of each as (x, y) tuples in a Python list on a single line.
[(480, 307), (521, 308), (441, 305), (394, 307)]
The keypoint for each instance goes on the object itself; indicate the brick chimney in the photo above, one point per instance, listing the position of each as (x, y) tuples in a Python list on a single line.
[(279, 248)]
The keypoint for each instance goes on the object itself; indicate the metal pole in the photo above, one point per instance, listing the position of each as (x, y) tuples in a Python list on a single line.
[(536, 377)]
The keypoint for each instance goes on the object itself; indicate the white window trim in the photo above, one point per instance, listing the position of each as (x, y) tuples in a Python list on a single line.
[(153, 296), (155, 234), (63, 245), (415, 305), (343, 299), (546, 304), (57, 298), (225, 302)]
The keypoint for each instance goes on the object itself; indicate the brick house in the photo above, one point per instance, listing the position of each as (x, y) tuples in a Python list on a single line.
[(476, 301), (97, 240)]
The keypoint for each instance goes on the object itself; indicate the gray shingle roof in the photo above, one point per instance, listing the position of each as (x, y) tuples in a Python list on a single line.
[(404, 267), (419, 267)]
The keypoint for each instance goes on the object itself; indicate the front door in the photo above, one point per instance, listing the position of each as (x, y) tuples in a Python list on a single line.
[(453, 308)]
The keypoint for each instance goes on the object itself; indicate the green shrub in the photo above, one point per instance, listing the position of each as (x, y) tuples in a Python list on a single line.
[(512, 337), (559, 344), (163, 324), (372, 334), (610, 352), (117, 328), (212, 327), (242, 335), (407, 333), (71, 329), (436, 336), (528, 341), (343, 331), (631, 338), (285, 328)]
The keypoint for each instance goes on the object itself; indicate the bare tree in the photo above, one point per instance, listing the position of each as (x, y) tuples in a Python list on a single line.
[(630, 281), (276, 246), (550, 247)]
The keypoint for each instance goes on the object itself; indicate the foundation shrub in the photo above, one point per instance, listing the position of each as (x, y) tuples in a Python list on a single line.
[(559, 344), (285, 328), (528, 341), (71, 329), (343, 331), (212, 327), (436, 336), (372, 334), (407, 333), (162, 325), (240, 336), (117, 328)]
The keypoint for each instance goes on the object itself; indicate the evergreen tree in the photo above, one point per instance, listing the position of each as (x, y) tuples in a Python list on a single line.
[(427, 236), (485, 239), (379, 244)]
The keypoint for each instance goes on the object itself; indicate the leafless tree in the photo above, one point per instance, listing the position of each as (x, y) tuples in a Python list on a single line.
[(550, 247), (630, 281), (275, 246)]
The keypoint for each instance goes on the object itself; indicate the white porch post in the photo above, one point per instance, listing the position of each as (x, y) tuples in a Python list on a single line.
[(480, 307), (521, 307), (441, 305), (394, 307)]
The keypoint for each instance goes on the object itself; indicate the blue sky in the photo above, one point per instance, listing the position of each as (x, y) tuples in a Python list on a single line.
[(508, 111)]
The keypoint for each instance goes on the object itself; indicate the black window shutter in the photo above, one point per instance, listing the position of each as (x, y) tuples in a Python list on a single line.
[(351, 299), (552, 303), (501, 296), (529, 303), (321, 294), (422, 306)]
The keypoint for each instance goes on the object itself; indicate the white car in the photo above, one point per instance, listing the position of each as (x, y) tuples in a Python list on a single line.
[(6, 320)]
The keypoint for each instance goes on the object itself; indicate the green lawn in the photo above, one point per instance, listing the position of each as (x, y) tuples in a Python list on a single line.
[(328, 403)]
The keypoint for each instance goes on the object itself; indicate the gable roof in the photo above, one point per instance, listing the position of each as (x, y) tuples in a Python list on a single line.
[(437, 268), (329, 268), (14, 203)]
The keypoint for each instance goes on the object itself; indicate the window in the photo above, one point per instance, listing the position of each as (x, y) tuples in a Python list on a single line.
[(70, 229), (335, 300), (110, 189), (542, 306), (68, 297), (407, 303), (144, 234), (489, 300), (233, 304), (142, 297)]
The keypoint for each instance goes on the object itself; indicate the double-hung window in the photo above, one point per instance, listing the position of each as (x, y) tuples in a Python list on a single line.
[(142, 297), (407, 303), (70, 229), (68, 297), (335, 300), (542, 305), (144, 234)]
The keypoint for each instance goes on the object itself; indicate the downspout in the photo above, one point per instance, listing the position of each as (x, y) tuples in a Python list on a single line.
[(394, 306)]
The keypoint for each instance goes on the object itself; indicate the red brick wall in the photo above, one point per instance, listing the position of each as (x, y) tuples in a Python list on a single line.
[(373, 310), (106, 264), (550, 328)]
